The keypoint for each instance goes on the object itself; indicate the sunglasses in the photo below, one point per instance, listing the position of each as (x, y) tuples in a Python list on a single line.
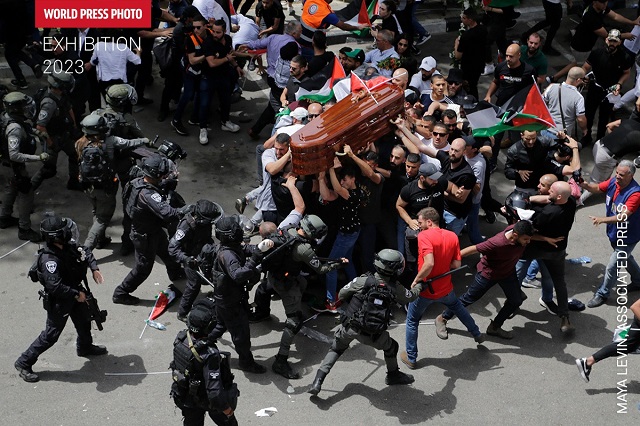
[(197, 27), (440, 134), (454, 83), (313, 115)]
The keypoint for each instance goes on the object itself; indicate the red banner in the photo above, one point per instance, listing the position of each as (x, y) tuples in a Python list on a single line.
[(93, 14)]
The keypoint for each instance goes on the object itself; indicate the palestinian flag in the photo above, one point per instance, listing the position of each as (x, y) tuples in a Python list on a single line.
[(364, 16), (162, 302), (232, 10), (526, 110), (319, 88)]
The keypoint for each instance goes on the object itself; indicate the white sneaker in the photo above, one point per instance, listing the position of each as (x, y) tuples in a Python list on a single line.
[(229, 126), (488, 69), (204, 138)]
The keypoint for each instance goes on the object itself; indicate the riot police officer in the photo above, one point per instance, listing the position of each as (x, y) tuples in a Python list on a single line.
[(234, 267), (202, 378), (61, 268), (194, 230), (21, 148), (284, 276), (366, 318), (149, 210), (96, 150), (57, 122)]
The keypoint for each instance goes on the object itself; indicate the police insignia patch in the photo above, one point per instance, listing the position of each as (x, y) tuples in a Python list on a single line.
[(179, 234), (42, 115), (51, 266), (314, 263), (14, 143), (156, 197), (313, 9)]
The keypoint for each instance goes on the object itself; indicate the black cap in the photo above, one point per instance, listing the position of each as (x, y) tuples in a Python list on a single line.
[(429, 170), (472, 142)]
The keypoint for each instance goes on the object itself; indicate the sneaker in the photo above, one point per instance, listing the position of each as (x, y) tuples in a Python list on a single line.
[(8, 222), (125, 299), (179, 128), (254, 368), (480, 338), (530, 283), (404, 357), (565, 325), (489, 69), (20, 84), (596, 301), (203, 138), (252, 64), (493, 330), (550, 51), (29, 235), (441, 327), (93, 350), (511, 24), (37, 70), (329, 306), (229, 126), (422, 40), (26, 373), (398, 378), (550, 306), (583, 368), (490, 217), (241, 204)]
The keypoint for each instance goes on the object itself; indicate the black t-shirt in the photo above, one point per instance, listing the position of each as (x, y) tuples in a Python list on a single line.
[(512, 80), (419, 198), (370, 211), (585, 37), (625, 139), (349, 216), (193, 44), (463, 177), (390, 23), (609, 67), (553, 220), (271, 14), (472, 46), (318, 62), (217, 50), (392, 186)]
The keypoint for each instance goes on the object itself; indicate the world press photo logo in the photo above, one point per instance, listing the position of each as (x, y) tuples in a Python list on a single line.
[(93, 14)]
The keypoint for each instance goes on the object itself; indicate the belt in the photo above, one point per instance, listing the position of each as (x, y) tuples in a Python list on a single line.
[(607, 151)]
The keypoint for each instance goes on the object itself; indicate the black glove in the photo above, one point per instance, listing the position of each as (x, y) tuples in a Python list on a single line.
[(191, 262), (186, 209)]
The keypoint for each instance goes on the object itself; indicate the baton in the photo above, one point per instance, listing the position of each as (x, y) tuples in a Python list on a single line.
[(437, 277), (201, 275)]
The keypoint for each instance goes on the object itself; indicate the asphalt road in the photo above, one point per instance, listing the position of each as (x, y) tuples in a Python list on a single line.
[(531, 379)]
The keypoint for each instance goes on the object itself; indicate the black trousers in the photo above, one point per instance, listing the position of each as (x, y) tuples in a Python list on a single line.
[(172, 85), (234, 319), (57, 317), (262, 297), (552, 19), (49, 169), (191, 291), (596, 101), (632, 343), (195, 417), (147, 246)]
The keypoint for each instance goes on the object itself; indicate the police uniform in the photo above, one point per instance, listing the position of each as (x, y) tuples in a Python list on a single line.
[(150, 211), (348, 331), (231, 297), (103, 194), (21, 148), (55, 116), (186, 243), (290, 285), (61, 272)]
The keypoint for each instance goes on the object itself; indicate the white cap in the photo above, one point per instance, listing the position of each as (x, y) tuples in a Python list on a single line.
[(428, 63), (299, 113)]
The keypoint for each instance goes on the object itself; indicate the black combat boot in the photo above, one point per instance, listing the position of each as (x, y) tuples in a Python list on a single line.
[(281, 366), (317, 383), (26, 373), (92, 350), (398, 378)]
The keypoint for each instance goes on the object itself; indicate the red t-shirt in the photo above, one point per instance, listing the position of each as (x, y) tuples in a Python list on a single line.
[(632, 202), (445, 247), (499, 256)]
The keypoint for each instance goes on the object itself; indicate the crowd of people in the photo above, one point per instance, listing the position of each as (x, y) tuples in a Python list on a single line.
[(378, 229)]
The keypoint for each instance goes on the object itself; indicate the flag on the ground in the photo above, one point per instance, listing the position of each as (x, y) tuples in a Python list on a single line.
[(526, 110), (364, 16), (319, 88), (162, 302)]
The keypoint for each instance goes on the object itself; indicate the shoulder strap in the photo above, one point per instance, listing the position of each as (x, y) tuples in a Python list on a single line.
[(192, 348), (564, 125)]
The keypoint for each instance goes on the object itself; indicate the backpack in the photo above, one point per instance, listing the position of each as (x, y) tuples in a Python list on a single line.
[(278, 260), (187, 367), (210, 265), (371, 309), (5, 121), (95, 166)]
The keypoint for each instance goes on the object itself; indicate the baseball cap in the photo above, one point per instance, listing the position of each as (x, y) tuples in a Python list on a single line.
[(429, 170), (472, 142), (356, 54), (428, 63), (299, 113), (614, 35)]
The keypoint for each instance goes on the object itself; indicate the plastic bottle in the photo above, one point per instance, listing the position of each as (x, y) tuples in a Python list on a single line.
[(579, 260)]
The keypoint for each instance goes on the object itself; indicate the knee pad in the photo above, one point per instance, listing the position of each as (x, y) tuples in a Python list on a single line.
[(294, 323), (393, 350)]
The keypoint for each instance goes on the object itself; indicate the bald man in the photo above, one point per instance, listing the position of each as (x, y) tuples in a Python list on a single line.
[(553, 220), (571, 110), (510, 76), (400, 78)]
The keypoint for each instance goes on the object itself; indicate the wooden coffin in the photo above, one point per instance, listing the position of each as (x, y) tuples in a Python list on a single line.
[(356, 124)]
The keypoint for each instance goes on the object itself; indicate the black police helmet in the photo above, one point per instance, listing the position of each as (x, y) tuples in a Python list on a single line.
[(207, 212), (55, 229), (228, 230), (172, 151), (389, 262), (155, 166), (516, 200), (202, 317)]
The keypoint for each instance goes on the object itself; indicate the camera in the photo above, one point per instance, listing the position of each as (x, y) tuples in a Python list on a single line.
[(577, 176)]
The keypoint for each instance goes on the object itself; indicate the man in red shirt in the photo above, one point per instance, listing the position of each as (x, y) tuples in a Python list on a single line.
[(497, 266), (438, 252)]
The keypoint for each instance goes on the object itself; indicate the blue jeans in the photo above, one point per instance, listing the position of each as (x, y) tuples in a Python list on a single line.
[(417, 27), (510, 286), (473, 225), (401, 229), (533, 269), (342, 247), (189, 89), (417, 308), (454, 223), (522, 268), (610, 274)]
